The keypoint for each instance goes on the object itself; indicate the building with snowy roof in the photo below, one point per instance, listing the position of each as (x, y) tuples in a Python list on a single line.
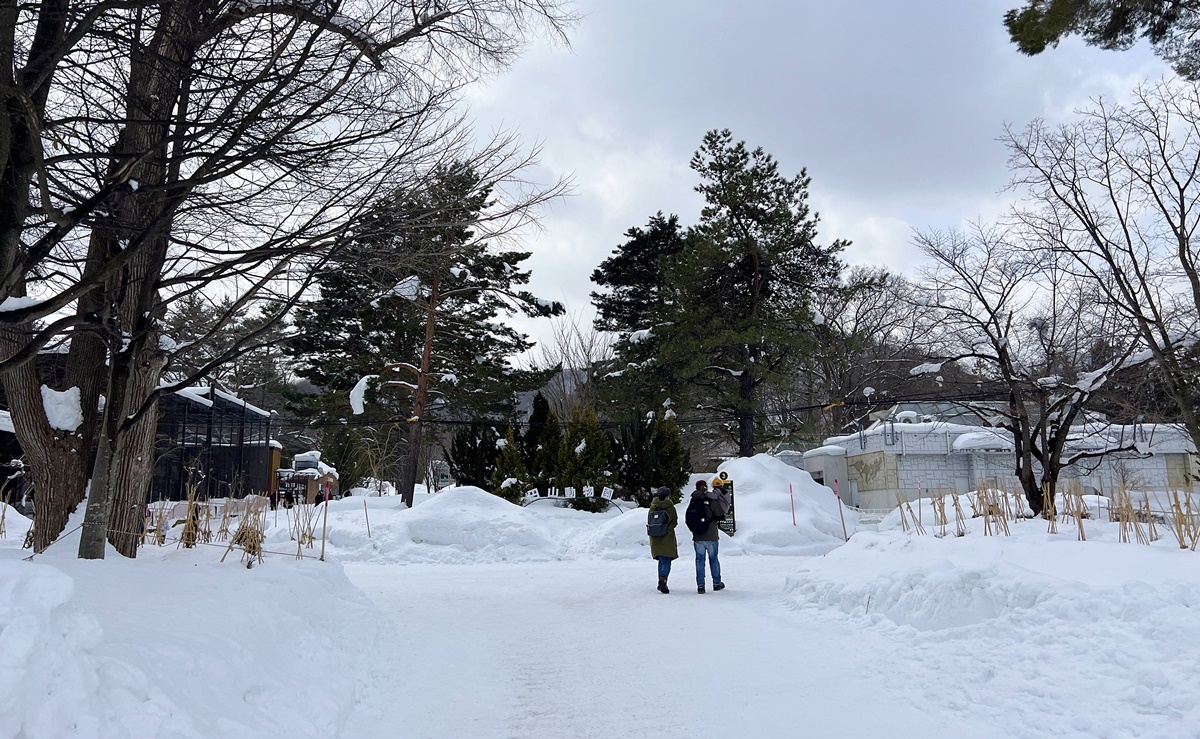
[(904, 457)]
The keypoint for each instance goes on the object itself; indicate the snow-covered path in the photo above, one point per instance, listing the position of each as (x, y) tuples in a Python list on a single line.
[(588, 648)]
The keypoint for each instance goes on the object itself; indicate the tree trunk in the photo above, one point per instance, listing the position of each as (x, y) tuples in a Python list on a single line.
[(408, 467), (57, 460), (133, 464), (141, 219), (745, 414)]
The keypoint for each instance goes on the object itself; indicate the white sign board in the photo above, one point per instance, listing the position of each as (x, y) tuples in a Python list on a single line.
[(589, 492), (569, 493), (607, 493)]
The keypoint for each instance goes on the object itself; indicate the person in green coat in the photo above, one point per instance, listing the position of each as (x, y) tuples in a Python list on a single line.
[(664, 548)]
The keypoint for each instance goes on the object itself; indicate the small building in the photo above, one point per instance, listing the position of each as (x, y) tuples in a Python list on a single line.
[(907, 457), (214, 441), (308, 480)]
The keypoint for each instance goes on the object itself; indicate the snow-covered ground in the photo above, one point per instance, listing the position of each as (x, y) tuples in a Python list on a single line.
[(476, 618)]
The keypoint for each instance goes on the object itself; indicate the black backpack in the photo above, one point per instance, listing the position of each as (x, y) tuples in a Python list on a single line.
[(658, 523), (697, 516)]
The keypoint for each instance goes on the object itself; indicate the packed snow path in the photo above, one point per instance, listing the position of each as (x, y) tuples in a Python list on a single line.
[(589, 648)]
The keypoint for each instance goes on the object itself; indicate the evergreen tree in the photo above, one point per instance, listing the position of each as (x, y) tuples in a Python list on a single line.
[(420, 303), (1171, 27), (634, 276), (472, 455), (634, 306), (673, 462), (541, 446), (510, 467), (648, 454), (585, 459), (740, 297), (532, 439)]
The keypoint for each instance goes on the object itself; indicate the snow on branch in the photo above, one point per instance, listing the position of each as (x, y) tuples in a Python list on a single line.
[(357, 394)]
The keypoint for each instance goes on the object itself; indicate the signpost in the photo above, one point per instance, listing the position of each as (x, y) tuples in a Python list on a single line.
[(729, 524)]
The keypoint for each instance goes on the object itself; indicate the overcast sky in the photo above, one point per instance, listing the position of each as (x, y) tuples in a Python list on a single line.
[(894, 108)]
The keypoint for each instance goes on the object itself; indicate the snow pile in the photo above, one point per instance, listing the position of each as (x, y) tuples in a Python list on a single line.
[(1026, 624), (176, 644), (462, 525), (15, 527), (623, 536), (55, 679), (763, 510)]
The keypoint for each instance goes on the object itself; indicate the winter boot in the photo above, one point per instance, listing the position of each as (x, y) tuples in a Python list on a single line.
[(718, 586), (662, 585), (699, 588)]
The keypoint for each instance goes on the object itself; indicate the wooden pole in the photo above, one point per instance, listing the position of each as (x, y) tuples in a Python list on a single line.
[(366, 516), (837, 491), (793, 497)]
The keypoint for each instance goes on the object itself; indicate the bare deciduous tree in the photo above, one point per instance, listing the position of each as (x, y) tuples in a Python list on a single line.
[(1021, 322), (1117, 193)]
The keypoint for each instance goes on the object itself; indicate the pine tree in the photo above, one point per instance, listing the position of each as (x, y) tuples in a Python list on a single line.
[(634, 306), (585, 459), (420, 303), (510, 468), (739, 301)]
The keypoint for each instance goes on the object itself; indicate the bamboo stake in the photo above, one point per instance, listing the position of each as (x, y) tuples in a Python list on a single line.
[(791, 495), (838, 492), (1048, 509), (960, 528), (368, 517)]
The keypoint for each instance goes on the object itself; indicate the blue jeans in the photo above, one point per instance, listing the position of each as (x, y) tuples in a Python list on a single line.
[(664, 566), (709, 548)]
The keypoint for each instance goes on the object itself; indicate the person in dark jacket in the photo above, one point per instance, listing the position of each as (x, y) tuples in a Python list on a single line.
[(664, 548), (703, 508)]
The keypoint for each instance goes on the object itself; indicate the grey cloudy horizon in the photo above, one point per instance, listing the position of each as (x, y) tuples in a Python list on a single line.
[(893, 108)]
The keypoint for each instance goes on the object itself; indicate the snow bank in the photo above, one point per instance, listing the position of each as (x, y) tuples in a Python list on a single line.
[(463, 525), (176, 644), (1027, 624), (50, 674), (15, 527), (623, 536), (763, 510)]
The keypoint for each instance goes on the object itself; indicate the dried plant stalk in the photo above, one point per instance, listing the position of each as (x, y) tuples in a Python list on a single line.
[(960, 527), (903, 518), (1048, 510)]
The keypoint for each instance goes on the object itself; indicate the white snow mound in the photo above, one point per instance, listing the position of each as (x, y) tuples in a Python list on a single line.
[(763, 510), (459, 525)]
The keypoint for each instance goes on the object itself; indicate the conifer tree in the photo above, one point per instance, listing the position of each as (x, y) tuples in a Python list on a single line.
[(511, 479), (585, 459), (740, 297), (472, 455), (544, 449), (633, 305), (648, 454), (673, 462)]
